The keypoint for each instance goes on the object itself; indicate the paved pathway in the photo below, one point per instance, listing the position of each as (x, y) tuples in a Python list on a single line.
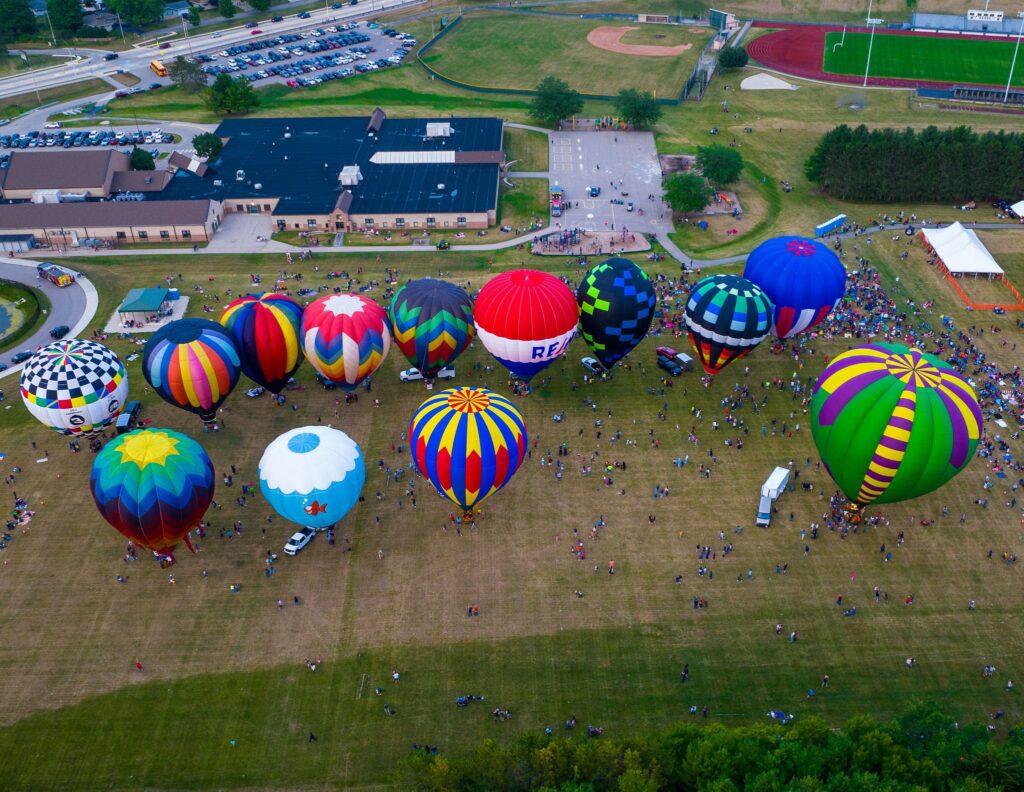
[(73, 305)]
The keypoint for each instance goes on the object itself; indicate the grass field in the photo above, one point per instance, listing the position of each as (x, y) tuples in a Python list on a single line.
[(533, 47), (924, 58), (527, 148), (11, 106), (222, 666)]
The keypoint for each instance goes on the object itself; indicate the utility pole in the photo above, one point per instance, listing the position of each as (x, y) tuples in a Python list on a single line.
[(184, 28), (53, 37), (122, 29)]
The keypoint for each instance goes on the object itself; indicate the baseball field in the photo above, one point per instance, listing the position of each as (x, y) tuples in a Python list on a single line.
[(516, 50), (939, 59)]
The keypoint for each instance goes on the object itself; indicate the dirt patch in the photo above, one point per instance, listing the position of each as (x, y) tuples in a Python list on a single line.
[(609, 38)]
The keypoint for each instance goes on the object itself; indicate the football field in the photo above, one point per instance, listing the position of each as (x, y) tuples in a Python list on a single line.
[(924, 58)]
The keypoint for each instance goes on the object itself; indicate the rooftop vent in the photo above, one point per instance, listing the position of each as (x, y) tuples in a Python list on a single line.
[(350, 176), (239, 175), (438, 129), (258, 186)]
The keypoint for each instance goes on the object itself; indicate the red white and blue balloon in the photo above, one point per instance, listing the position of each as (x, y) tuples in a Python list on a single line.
[(312, 475)]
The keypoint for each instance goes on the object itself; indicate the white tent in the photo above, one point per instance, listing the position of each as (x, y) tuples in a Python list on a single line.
[(961, 251), (1018, 208)]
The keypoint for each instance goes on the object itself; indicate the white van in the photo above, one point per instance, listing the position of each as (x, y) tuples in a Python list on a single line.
[(772, 488)]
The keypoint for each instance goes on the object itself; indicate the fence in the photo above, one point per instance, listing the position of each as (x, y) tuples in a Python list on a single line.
[(699, 78)]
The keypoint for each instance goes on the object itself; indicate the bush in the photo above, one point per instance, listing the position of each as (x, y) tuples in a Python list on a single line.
[(733, 58)]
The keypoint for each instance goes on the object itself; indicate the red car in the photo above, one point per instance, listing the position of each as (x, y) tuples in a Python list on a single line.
[(668, 352), (292, 84), (256, 32)]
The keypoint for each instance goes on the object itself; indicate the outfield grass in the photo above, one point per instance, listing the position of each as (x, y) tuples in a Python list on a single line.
[(222, 666), (519, 50), (924, 58)]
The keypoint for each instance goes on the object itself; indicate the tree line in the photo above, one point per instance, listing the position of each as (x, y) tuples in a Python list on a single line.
[(922, 749), (886, 165)]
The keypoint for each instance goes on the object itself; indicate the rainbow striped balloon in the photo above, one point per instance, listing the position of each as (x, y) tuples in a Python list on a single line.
[(265, 329), (153, 485), (432, 322), (345, 337), (893, 423), (193, 364), (468, 442)]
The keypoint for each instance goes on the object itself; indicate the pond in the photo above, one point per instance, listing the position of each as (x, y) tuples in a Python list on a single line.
[(6, 319)]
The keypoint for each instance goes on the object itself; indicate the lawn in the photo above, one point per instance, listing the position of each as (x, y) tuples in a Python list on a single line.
[(533, 47), (527, 149), (11, 106), (220, 666), (924, 58), (12, 64)]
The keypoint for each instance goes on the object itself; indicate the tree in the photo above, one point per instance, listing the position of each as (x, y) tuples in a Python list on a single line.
[(228, 95), (554, 101), (193, 15), (686, 192), (260, 5), (227, 9), (720, 164), (65, 15), (733, 58), (638, 108), (207, 144), (16, 20), (139, 12), (187, 75), (142, 159)]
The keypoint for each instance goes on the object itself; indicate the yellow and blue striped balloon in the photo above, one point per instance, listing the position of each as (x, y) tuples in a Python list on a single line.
[(468, 442)]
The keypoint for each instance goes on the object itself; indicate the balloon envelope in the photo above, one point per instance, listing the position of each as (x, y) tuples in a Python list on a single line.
[(468, 442), (265, 329), (345, 337), (153, 485), (892, 423), (526, 319), (193, 364), (617, 303), (75, 386), (804, 280), (432, 322), (726, 317), (312, 475)]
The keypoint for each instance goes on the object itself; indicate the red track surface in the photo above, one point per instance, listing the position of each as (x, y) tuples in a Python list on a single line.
[(800, 51)]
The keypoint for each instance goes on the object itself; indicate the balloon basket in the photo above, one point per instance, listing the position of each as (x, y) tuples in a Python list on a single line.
[(852, 513)]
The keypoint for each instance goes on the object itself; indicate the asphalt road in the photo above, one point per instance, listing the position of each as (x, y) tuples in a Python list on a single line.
[(73, 305), (136, 60)]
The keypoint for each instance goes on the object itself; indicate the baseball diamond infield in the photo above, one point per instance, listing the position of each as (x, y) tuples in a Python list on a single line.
[(801, 52), (609, 38)]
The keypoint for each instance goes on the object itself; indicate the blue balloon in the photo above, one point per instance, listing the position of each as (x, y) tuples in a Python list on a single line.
[(312, 475), (804, 280)]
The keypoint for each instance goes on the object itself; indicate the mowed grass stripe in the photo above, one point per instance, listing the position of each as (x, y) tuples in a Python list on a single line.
[(924, 58)]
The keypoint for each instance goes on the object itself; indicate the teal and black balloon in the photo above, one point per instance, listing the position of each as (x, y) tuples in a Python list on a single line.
[(617, 303)]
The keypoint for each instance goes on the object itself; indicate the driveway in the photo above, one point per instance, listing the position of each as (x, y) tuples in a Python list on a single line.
[(624, 165), (238, 233), (73, 305)]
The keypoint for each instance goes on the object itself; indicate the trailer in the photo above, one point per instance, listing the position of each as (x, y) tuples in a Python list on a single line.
[(772, 488), (829, 226)]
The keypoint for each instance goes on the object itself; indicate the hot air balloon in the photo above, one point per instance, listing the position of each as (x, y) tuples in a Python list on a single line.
[(616, 302), (432, 322), (468, 442), (76, 387), (804, 280), (153, 485), (312, 475), (526, 319), (265, 329), (345, 337), (893, 423), (193, 364), (726, 317)]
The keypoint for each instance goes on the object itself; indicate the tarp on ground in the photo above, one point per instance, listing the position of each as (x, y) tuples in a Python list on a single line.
[(961, 251)]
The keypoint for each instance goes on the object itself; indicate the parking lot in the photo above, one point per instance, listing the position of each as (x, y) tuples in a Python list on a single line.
[(312, 57), (81, 138)]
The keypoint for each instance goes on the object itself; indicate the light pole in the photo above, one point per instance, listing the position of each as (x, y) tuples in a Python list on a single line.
[(53, 37), (1013, 62), (184, 29), (872, 23), (121, 27)]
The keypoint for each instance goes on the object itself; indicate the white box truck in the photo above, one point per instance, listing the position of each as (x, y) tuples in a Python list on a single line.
[(772, 488)]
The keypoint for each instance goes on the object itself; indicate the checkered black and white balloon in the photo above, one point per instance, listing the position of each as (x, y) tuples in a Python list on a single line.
[(74, 386)]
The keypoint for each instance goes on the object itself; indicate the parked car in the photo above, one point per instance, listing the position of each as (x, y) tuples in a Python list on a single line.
[(669, 365), (629, 207), (255, 393), (413, 374), (21, 357), (593, 365), (684, 361), (594, 191), (59, 332), (328, 385), (299, 540)]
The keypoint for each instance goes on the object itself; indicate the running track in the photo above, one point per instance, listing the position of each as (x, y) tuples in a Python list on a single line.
[(800, 51)]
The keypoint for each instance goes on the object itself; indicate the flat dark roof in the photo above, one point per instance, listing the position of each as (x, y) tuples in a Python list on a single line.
[(302, 170), (104, 214)]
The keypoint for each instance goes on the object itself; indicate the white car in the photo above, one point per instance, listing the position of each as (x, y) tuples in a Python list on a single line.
[(593, 365), (52, 125), (413, 374), (255, 393), (299, 540)]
